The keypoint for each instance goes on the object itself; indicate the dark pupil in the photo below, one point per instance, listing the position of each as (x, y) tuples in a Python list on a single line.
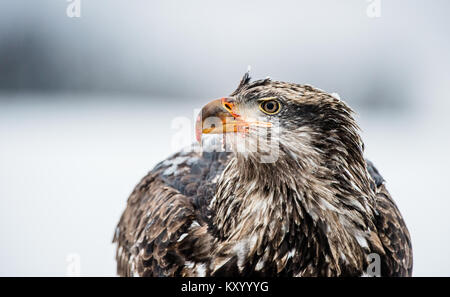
[(270, 107)]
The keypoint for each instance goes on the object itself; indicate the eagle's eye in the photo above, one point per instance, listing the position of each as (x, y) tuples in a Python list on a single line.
[(270, 106)]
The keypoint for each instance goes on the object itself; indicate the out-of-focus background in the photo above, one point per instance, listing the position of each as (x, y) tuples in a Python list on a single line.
[(88, 105)]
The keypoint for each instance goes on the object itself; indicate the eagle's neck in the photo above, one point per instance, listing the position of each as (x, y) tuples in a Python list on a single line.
[(283, 210)]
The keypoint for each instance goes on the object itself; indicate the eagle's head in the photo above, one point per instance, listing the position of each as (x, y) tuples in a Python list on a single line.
[(297, 170), (270, 122)]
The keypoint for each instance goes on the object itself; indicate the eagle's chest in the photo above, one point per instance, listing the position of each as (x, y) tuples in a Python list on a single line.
[(274, 233)]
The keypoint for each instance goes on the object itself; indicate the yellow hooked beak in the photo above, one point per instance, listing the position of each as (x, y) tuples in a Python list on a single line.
[(222, 116)]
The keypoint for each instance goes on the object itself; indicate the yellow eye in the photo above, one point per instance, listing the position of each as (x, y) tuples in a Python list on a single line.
[(270, 106)]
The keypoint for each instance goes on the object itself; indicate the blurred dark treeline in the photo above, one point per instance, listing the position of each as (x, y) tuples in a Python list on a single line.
[(180, 49)]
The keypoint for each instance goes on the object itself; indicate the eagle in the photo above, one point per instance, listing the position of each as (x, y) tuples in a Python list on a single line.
[(277, 185)]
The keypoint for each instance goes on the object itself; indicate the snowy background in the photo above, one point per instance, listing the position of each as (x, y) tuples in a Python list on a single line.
[(87, 107)]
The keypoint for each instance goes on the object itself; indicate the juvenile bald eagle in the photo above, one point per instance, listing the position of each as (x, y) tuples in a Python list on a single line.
[(294, 197)]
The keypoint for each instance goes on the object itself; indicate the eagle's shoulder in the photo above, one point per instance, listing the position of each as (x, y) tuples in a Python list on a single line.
[(162, 231), (392, 230), (194, 174)]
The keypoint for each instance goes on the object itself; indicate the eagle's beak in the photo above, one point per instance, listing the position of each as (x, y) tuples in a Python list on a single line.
[(217, 117), (222, 116)]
